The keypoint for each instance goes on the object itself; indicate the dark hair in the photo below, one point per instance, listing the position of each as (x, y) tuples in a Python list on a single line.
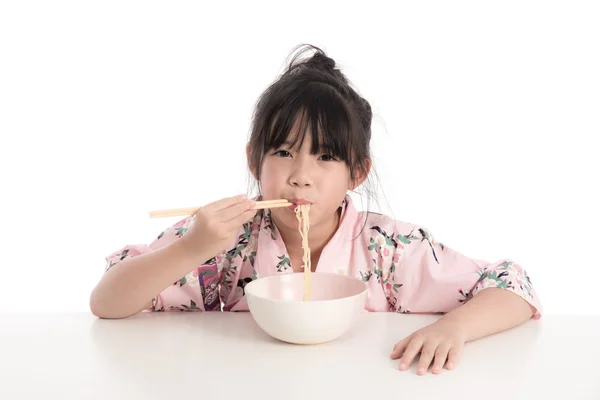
[(319, 93)]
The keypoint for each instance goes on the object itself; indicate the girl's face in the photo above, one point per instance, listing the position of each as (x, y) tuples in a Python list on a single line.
[(301, 177)]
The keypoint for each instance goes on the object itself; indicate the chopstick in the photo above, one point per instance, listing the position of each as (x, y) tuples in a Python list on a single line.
[(272, 204), (183, 212)]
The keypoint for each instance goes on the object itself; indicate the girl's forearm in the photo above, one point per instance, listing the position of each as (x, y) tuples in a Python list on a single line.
[(490, 311), (128, 287)]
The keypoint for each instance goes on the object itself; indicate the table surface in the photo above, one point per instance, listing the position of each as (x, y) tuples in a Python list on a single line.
[(226, 356)]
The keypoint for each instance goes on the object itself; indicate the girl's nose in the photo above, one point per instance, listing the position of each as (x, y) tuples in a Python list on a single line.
[(301, 180), (301, 176)]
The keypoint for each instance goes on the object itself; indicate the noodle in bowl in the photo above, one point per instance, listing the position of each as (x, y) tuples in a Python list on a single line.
[(278, 306)]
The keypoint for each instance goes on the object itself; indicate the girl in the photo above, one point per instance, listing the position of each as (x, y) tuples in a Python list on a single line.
[(310, 144)]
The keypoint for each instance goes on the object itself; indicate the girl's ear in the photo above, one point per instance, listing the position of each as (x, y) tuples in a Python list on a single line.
[(361, 175), (251, 165)]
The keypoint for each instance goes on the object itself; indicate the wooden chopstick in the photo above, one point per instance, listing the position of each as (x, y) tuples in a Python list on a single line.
[(174, 212), (182, 212), (272, 201), (272, 204)]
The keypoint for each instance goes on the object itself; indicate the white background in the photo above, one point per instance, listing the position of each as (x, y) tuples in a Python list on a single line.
[(487, 117)]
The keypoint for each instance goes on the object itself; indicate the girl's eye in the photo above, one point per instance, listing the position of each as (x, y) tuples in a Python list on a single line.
[(326, 157), (282, 153)]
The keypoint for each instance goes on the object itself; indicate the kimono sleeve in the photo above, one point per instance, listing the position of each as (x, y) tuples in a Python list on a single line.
[(437, 278)]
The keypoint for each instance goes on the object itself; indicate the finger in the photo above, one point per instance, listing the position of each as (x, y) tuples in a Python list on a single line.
[(224, 203), (441, 354), (242, 218), (427, 354), (454, 355), (399, 348), (411, 351), (231, 212)]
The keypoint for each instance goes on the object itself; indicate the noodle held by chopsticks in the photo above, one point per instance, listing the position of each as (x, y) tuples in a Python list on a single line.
[(303, 227)]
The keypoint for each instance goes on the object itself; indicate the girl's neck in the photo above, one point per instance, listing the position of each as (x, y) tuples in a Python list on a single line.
[(318, 237)]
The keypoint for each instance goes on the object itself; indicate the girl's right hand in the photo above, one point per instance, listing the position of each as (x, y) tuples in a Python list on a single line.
[(215, 225)]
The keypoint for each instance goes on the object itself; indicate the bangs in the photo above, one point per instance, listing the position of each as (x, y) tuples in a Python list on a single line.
[(316, 108)]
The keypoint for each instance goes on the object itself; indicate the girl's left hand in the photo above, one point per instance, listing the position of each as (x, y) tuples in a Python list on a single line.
[(439, 342)]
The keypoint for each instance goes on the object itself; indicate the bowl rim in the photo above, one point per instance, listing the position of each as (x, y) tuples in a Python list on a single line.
[(365, 289)]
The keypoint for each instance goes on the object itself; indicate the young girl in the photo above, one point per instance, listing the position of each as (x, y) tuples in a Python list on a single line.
[(310, 144)]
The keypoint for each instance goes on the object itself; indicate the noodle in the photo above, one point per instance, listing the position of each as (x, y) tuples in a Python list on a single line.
[(303, 227)]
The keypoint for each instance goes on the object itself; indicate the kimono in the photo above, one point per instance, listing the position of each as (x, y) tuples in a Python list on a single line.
[(405, 268)]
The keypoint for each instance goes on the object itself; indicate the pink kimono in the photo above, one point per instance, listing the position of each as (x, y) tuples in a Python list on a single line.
[(405, 269)]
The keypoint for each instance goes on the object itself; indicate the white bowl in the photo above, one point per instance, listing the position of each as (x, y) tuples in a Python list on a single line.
[(276, 304)]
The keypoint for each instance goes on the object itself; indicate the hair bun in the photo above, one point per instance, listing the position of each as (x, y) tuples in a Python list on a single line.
[(321, 61), (318, 61)]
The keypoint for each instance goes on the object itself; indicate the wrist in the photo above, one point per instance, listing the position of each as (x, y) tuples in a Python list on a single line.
[(456, 323), (189, 252)]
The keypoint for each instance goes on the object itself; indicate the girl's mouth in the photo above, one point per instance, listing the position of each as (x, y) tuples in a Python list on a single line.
[(298, 202)]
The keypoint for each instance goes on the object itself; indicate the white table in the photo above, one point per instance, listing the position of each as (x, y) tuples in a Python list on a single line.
[(210, 356)]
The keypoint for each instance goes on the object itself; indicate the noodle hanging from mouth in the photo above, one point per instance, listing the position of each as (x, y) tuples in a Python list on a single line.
[(303, 227)]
